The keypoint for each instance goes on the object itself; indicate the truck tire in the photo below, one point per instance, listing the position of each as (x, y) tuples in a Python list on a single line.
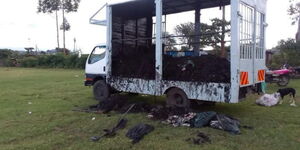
[(101, 90), (177, 98)]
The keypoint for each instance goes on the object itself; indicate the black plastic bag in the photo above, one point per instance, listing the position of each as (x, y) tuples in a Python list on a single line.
[(137, 132), (226, 123), (202, 119)]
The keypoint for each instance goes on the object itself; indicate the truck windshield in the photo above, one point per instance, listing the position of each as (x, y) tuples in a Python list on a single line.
[(97, 54)]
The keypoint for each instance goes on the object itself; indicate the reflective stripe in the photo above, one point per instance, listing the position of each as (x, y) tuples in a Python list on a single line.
[(261, 75), (244, 78)]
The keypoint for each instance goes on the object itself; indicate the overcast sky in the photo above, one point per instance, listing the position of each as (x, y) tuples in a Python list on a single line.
[(21, 26)]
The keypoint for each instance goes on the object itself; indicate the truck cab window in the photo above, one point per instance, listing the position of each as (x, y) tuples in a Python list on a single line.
[(97, 54)]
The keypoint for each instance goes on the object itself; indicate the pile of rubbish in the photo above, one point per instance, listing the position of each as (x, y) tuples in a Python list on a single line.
[(137, 63), (203, 119), (268, 100), (175, 117), (206, 68)]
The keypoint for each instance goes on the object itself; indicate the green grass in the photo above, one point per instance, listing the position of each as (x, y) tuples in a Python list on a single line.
[(52, 125)]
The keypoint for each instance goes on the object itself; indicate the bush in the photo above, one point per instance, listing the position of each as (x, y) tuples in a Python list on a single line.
[(54, 61), (29, 62)]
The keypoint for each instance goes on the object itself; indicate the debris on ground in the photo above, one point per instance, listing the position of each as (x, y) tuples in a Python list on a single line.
[(173, 116), (202, 119), (114, 102), (184, 120), (201, 138), (137, 132), (111, 132), (140, 107), (268, 100), (163, 113), (226, 123)]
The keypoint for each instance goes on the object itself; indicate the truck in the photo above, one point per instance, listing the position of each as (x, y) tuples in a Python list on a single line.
[(134, 58)]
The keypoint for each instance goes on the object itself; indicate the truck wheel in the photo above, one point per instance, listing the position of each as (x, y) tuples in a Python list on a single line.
[(101, 90), (176, 97)]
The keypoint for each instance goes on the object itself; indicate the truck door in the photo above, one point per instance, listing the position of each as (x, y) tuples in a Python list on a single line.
[(252, 44), (96, 61), (259, 51)]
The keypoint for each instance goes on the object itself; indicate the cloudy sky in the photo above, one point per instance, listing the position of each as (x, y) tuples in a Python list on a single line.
[(21, 26)]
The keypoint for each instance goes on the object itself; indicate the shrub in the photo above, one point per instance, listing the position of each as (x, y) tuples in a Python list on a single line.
[(54, 61), (29, 62)]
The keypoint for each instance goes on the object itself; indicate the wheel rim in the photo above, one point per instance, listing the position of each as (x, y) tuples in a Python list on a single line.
[(283, 81)]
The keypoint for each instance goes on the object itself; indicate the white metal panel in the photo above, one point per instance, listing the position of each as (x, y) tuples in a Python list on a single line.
[(259, 59), (247, 42), (235, 52), (214, 92), (133, 85), (260, 5), (158, 48), (108, 42)]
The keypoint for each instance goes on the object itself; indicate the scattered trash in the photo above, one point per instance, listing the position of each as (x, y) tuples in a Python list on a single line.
[(138, 132), (184, 120), (115, 102), (201, 138), (111, 132), (163, 113), (30, 113), (168, 115), (268, 100), (202, 119), (226, 123), (29, 103), (140, 107), (94, 118)]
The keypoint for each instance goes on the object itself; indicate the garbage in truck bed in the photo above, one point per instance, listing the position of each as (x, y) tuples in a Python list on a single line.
[(206, 68)]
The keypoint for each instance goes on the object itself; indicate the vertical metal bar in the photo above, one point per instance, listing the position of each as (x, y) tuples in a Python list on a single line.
[(235, 52), (254, 44), (158, 48), (108, 42)]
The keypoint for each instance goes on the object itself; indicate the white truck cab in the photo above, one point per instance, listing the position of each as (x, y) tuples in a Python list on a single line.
[(95, 65)]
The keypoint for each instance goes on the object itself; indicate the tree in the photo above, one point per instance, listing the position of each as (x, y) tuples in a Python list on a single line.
[(169, 42), (66, 6), (210, 35), (289, 53), (294, 12)]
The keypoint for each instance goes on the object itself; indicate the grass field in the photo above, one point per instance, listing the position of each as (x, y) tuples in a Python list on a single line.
[(51, 95)]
